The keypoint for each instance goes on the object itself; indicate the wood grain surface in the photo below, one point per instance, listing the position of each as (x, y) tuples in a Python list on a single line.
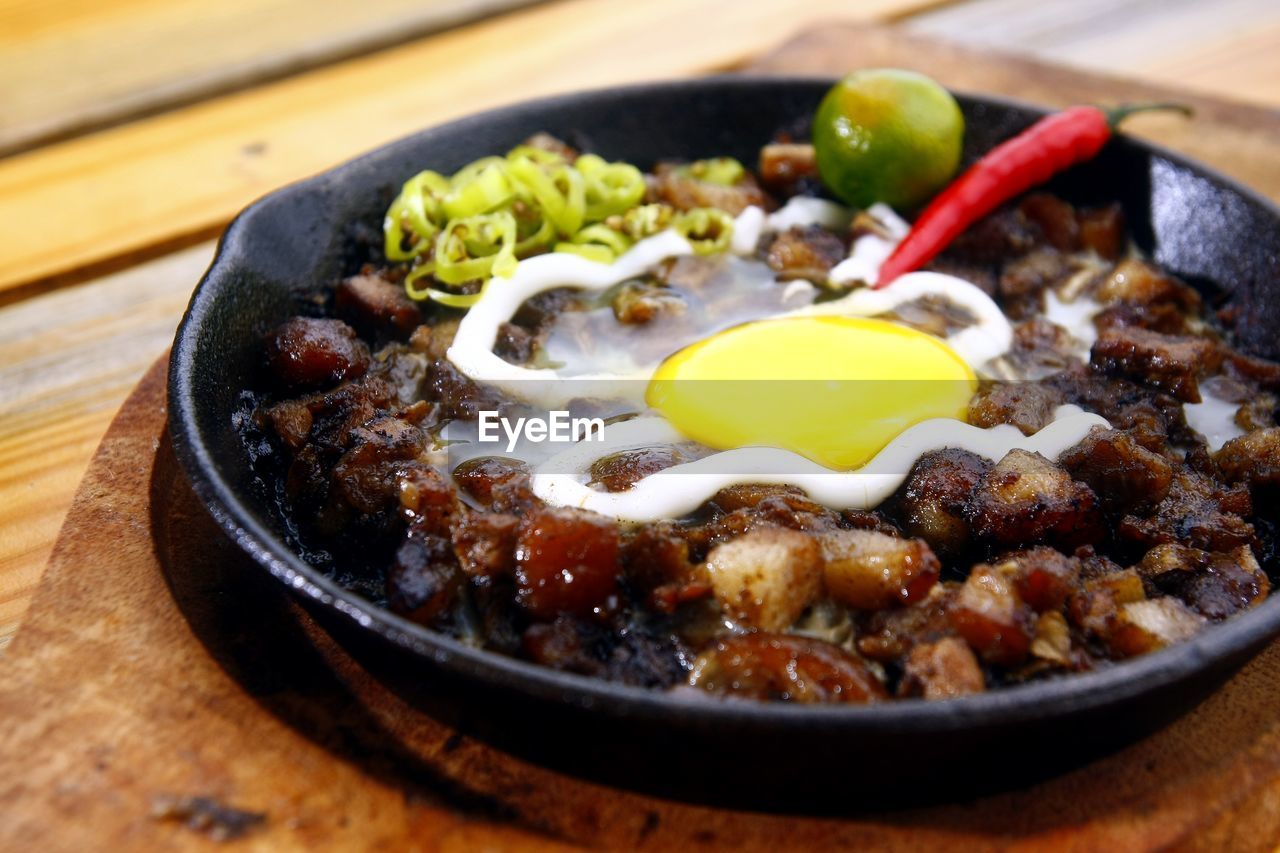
[(160, 183), (167, 667), (75, 65)]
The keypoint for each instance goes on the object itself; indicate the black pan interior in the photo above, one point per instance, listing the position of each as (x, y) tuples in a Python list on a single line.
[(1221, 237)]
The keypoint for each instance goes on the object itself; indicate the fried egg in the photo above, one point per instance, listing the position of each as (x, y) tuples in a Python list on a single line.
[(830, 396)]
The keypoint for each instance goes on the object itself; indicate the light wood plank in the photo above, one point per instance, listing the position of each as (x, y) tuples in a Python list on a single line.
[(70, 66), (1228, 48), (105, 200), (67, 361)]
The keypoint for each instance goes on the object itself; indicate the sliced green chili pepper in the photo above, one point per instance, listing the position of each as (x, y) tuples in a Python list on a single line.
[(476, 247), (559, 191), (707, 229), (592, 251), (488, 189), (611, 188), (647, 220), (417, 206), (716, 170)]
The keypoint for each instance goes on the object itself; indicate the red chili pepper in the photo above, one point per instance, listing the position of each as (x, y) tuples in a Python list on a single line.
[(1012, 167)]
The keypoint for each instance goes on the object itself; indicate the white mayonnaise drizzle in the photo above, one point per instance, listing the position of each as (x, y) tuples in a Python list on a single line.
[(1076, 317), (870, 251), (472, 349), (683, 488), (1214, 418)]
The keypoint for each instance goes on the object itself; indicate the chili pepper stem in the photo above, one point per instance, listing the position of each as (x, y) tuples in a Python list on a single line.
[(1115, 115)]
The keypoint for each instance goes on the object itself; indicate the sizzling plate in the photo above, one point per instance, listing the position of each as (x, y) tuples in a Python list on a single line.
[(1191, 220)]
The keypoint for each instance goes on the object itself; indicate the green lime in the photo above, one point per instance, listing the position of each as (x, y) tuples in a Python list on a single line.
[(887, 135)]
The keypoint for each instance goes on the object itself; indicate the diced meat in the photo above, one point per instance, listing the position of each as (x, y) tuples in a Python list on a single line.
[(1144, 626), (456, 394), (1024, 280), (783, 667), (501, 485), (434, 341), (424, 581), (514, 344), (992, 618), (785, 166), (941, 670), (657, 563), (869, 571), (1197, 511), (1125, 476), (485, 544), (1102, 231), (685, 192), (1165, 318), (1044, 577), (427, 498), (1094, 605), (807, 252), (1026, 499), (1252, 459), (931, 504), (1260, 411), (1027, 405), (1221, 585), (888, 635), (291, 420), (1168, 362), (376, 306), (1146, 414), (1139, 283), (766, 578), (640, 302), (1055, 218), (566, 562), (368, 476), (306, 353), (620, 471), (627, 653)]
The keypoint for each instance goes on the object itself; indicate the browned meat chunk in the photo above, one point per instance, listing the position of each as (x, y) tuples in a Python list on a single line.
[(1214, 585), (1052, 642), (1253, 459), (992, 618), (786, 668), (657, 562), (1102, 231), (566, 562), (637, 302), (931, 503), (1094, 606), (1043, 577), (941, 670), (1124, 475), (305, 353), (292, 421), (1165, 318), (434, 341), (1167, 362), (1024, 280), (785, 166), (376, 306), (499, 484), (1144, 626), (888, 635), (427, 498), (869, 571), (1147, 415), (618, 472), (1027, 405), (1261, 411), (485, 544), (424, 580), (807, 252), (631, 654), (1056, 219), (766, 578), (1026, 499), (1140, 283), (514, 343), (1198, 512), (368, 475), (685, 192)]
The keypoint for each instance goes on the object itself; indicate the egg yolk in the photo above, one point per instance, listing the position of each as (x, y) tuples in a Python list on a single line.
[(833, 389)]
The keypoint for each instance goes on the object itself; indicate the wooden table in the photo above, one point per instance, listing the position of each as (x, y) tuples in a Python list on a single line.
[(132, 130)]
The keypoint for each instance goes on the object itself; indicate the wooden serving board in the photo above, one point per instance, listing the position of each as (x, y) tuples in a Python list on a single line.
[(158, 665)]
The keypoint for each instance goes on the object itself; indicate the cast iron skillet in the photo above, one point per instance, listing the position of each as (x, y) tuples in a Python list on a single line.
[(1194, 222)]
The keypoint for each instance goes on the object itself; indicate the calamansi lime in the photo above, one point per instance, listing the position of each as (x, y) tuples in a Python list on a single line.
[(887, 135)]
